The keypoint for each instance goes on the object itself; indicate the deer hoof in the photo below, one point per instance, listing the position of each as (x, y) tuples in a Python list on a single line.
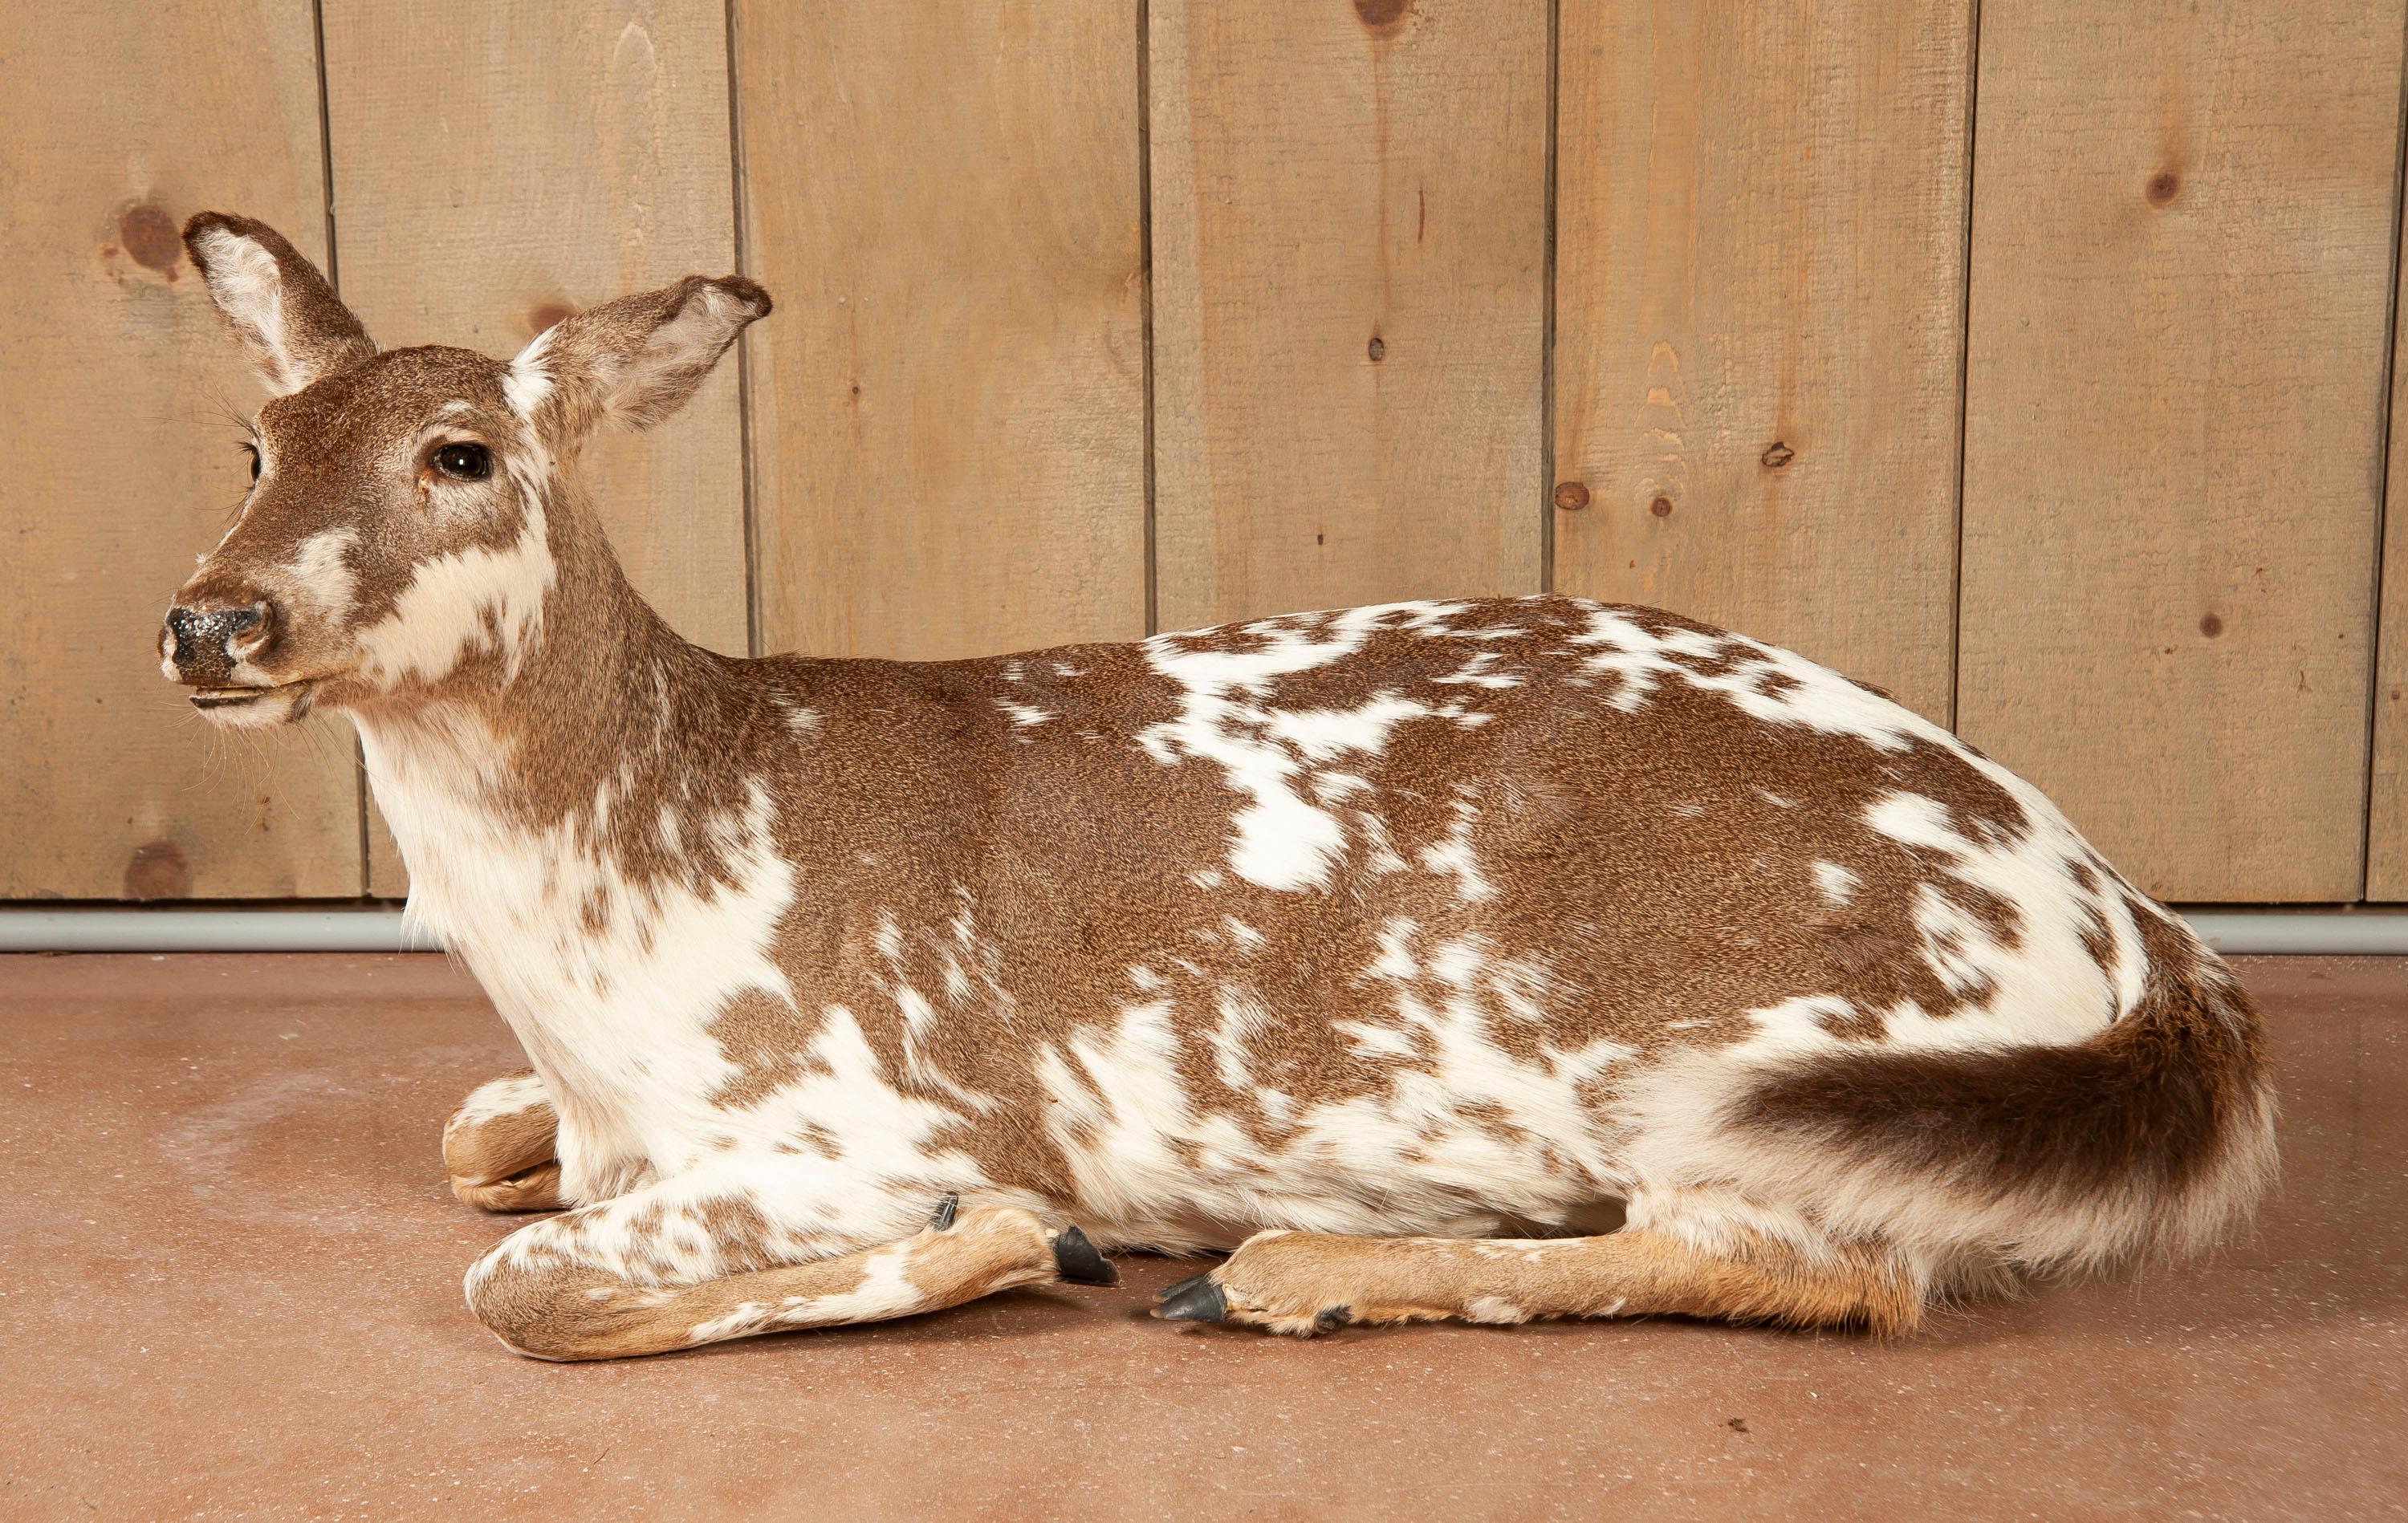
[(1077, 1262), (1197, 1300)]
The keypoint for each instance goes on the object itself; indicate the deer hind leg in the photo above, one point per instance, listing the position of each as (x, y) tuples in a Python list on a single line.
[(498, 1147), (1304, 1283), (548, 1300)]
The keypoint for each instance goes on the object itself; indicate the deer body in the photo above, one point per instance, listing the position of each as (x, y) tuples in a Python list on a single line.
[(1397, 948)]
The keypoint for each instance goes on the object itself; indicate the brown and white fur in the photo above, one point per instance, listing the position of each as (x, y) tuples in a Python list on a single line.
[(1397, 948)]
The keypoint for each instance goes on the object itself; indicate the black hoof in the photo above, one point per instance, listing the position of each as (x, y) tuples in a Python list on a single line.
[(943, 1220), (1077, 1262), (1199, 1300)]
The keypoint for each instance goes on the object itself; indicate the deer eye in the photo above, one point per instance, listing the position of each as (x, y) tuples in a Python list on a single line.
[(252, 450), (465, 462)]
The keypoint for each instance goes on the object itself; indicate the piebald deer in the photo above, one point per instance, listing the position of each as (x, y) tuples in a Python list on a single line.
[(1498, 960)]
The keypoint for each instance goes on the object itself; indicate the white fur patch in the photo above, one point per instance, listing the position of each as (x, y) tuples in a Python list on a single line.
[(528, 380), (1281, 838), (470, 600), (321, 577)]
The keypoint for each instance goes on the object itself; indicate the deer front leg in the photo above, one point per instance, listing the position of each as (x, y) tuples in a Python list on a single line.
[(498, 1147), (667, 1268)]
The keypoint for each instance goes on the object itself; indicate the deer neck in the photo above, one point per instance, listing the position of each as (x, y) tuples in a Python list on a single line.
[(557, 759)]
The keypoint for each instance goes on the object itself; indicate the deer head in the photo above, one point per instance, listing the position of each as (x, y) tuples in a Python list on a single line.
[(402, 531)]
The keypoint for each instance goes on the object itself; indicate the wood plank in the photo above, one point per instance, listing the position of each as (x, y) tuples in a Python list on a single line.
[(2386, 831), (949, 403), (539, 159), (1350, 255), (2182, 225), (123, 394), (1760, 284)]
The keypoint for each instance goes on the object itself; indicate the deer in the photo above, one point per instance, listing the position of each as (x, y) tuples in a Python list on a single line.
[(1483, 958)]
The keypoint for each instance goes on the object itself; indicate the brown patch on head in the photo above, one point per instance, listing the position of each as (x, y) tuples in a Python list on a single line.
[(352, 452)]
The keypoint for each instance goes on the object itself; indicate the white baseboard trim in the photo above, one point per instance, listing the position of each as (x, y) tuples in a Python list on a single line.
[(2380, 930), (135, 929)]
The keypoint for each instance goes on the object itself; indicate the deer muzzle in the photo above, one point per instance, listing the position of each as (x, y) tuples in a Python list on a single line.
[(205, 644)]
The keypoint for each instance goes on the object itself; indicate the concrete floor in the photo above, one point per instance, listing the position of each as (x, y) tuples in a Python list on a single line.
[(230, 1286)]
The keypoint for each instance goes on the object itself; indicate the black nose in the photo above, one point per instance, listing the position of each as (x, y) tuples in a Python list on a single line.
[(203, 636)]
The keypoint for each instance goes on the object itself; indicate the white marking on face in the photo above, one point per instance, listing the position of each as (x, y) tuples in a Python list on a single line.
[(320, 575), (464, 602)]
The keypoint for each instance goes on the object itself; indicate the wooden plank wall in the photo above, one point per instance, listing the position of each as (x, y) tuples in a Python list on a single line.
[(949, 403), (2183, 224), (2034, 363), (2386, 835), (121, 453), (1759, 301), (1350, 298)]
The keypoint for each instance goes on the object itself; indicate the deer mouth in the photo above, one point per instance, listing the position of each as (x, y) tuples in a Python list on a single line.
[(225, 698)]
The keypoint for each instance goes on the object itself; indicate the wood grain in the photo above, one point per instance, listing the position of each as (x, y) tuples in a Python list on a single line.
[(948, 406), (2182, 225), (1759, 298), (124, 397), (2386, 831), (537, 160), (1350, 256)]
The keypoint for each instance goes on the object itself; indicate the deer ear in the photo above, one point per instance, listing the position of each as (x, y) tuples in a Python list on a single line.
[(631, 362), (290, 320)]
